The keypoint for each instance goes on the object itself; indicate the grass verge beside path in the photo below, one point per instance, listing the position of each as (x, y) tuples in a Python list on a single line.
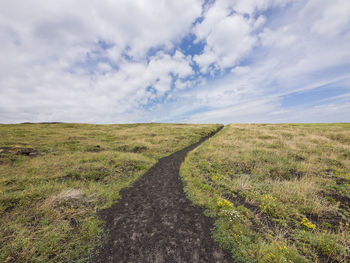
[(55, 177), (280, 193)]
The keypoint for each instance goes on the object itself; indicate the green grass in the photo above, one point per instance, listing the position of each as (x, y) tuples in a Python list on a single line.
[(280, 193), (49, 202)]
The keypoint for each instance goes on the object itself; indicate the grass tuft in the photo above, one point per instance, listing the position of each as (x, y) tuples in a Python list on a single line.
[(287, 186), (54, 178)]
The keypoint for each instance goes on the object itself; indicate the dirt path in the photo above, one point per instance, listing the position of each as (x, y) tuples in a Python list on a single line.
[(155, 222)]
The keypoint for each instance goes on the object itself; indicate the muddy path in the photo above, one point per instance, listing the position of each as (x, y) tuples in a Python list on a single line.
[(155, 222)]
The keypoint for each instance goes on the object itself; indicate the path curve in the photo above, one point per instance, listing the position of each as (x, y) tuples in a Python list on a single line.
[(155, 222)]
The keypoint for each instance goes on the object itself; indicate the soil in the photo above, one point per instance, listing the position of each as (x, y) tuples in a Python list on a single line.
[(155, 222), (18, 151)]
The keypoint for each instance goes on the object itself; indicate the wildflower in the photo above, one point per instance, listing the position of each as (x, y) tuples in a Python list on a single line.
[(224, 203), (231, 215), (268, 203), (305, 222)]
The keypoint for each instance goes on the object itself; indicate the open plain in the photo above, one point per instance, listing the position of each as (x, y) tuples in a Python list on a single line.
[(174, 193)]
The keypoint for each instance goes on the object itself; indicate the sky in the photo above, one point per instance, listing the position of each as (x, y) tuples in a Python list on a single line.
[(191, 61)]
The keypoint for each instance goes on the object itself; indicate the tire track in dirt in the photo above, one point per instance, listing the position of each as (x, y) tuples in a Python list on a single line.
[(155, 222)]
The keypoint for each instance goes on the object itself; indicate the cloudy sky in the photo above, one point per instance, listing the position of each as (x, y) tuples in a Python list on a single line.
[(121, 61)]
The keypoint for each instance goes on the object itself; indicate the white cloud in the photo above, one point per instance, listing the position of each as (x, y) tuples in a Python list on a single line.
[(269, 111), (104, 67), (112, 61), (69, 56), (252, 111), (290, 57), (315, 114), (137, 25), (251, 6), (228, 37), (240, 70), (228, 33), (278, 38), (230, 40), (335, 18)]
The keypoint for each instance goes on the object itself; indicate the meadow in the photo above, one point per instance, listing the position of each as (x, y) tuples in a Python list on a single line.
[(279, 192), (56, 177)]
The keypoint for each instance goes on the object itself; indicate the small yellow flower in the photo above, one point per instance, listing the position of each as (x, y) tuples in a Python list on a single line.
[(224, 203), (307, 223)]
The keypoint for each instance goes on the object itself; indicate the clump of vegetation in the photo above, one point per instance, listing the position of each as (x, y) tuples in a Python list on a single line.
[(306, 223), (54, 178), (224, 203), (288, 185), (132, 148)]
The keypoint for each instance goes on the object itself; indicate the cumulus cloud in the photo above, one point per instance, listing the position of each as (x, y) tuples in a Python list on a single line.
[(185, 60), (229, 33), (228, 37), (228, 40), (89, 57), (289, 57), (334, 18)]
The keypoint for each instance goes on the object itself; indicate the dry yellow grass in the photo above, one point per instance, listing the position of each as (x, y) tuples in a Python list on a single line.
[(290, 184), (49, 201)]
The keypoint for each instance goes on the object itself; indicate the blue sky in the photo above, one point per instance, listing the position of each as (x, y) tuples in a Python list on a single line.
[(175, 61)]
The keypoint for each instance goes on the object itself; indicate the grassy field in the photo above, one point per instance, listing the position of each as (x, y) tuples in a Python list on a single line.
[(280, 192), (55, 177)]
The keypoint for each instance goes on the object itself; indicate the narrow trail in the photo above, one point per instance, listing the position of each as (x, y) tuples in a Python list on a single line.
[(155, 222)]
